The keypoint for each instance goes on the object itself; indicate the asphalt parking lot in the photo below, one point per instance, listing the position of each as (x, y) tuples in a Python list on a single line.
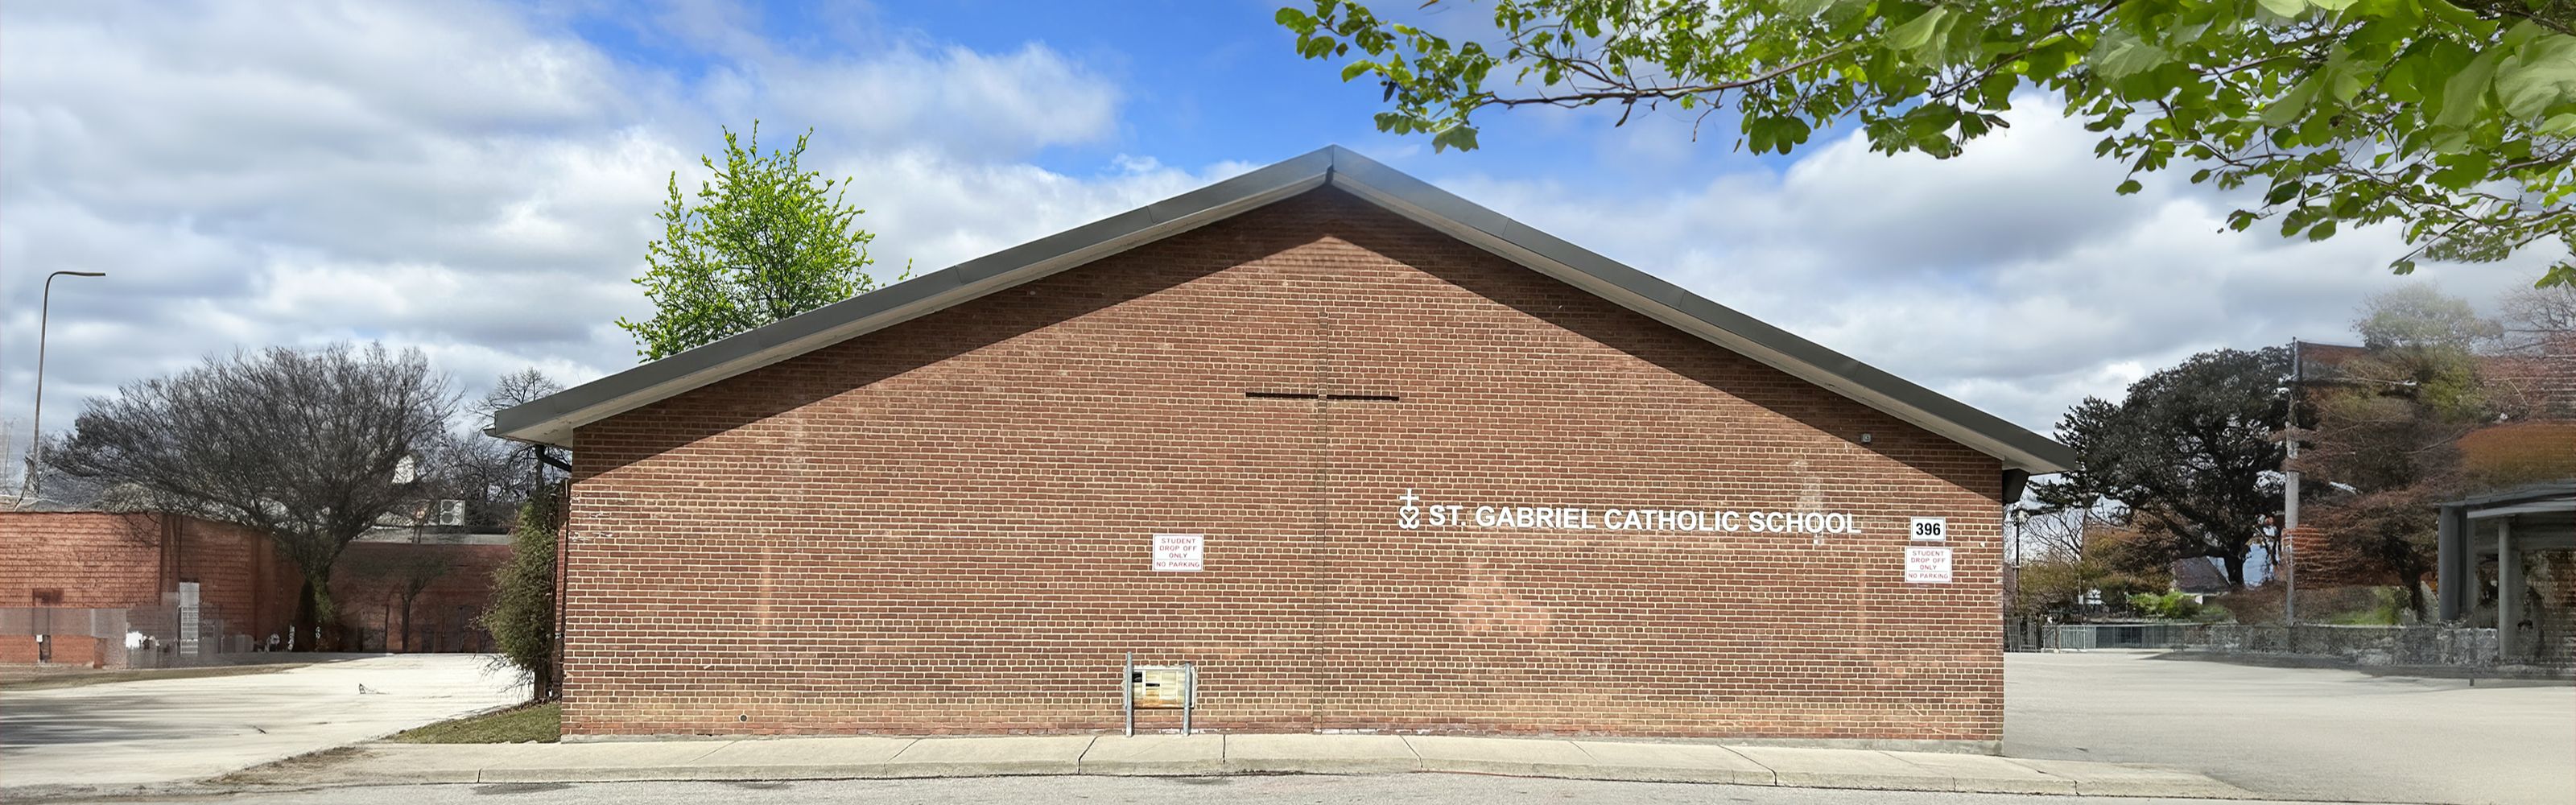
[(2297, 733)]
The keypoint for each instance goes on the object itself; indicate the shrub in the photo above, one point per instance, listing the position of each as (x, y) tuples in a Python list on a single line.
[(522, 616), (2173, 604)]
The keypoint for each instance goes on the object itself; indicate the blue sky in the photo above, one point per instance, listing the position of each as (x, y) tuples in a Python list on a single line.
[(477, 180), (1202, 83)]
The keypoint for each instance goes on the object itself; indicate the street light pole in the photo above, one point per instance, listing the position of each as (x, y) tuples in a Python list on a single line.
[(2290, 490), (36, 424)]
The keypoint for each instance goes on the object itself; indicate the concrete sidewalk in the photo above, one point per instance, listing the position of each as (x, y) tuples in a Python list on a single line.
[(1197, 755)]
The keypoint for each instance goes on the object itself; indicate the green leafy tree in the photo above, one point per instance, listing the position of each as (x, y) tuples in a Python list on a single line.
[(2453, 116), (767, 240), (2419, 317), (2189, 454)]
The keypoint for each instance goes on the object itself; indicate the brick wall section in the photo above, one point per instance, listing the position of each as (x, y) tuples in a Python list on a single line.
[(96, 560), (368, 578), (943, 527), (109, 561)]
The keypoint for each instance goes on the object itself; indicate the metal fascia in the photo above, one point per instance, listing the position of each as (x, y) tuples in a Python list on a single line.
[(2533, 491), (2537, 507)]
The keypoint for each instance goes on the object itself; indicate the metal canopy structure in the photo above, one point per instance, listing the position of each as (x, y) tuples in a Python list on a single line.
[(2507, 525), (553, 420)]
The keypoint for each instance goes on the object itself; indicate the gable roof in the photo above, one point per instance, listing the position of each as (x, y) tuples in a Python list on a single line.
[(551, 420)]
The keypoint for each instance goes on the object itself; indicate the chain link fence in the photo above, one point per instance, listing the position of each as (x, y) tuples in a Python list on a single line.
[(132, 637), (2360, 645)]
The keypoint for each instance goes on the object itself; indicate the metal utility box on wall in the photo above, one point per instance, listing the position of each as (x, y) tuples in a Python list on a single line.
[(1161, 687)]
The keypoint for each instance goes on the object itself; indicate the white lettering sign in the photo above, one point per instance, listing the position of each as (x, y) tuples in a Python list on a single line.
[(1932, 528), (1412, 513), (1927, 565), (1180, 553)]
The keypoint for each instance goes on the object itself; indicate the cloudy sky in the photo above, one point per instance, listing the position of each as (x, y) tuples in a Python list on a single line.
[(478, 180)]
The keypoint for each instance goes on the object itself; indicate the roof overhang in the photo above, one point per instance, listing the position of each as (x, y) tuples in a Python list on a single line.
[(552, 420), (2535, 507)]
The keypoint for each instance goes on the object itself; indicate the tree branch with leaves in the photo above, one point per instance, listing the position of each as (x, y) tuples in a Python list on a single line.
[(2455, 117)]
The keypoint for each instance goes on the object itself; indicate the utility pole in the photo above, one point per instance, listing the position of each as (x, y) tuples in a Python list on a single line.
[(2290, 489)]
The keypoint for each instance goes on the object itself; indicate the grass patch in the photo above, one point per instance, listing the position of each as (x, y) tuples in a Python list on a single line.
[(541, 723)]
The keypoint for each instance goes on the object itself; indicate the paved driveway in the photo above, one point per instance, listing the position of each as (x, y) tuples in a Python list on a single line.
[(168, 730), (2304, 733)]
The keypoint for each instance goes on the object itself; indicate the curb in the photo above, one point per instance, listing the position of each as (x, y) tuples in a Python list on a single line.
[(1213, 755)]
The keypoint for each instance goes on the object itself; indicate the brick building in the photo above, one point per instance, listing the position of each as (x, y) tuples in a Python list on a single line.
[(1443, 473)]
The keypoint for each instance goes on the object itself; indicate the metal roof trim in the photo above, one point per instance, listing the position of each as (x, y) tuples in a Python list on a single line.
[(2532, 491), (552, 420), (2536, 507)]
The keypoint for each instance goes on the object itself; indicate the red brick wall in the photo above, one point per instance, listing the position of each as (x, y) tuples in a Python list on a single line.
[(240, 570), (368, 579), (111, 561), (68, 650), (98, 561), (944, 526)]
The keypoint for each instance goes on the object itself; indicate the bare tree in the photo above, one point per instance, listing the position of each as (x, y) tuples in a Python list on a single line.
[(513, 473), (308, 446), (523, 386), (2079, 560), (2537, 363), (2536, 317)]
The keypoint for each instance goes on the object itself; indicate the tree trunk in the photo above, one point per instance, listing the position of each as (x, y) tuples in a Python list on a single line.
[(317, 626), (300, 631), (2235, 571)]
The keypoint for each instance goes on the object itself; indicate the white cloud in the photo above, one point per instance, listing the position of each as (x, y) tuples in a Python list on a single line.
[(2011, 278), (996, 106), (477, 183), (456, 177)]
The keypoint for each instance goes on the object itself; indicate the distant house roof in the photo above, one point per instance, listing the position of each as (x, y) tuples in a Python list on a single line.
[(2199, 575), (552, 420)]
